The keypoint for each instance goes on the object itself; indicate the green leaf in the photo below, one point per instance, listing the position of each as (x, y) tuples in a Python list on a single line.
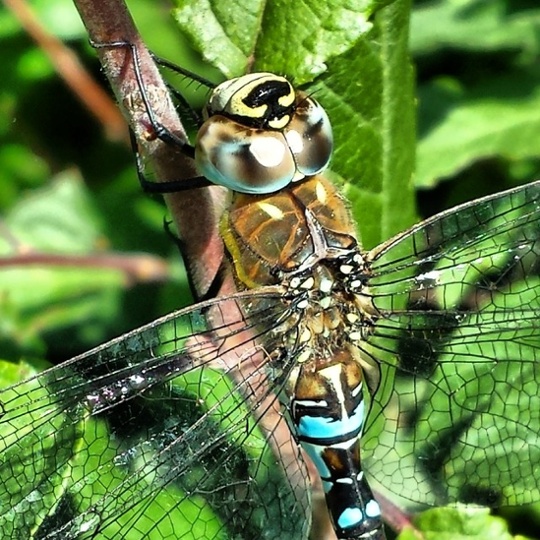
[(478, 93), (499, 117), (18, 165), (59, 217), (45, 287), (450, 523), (491, 394), (34, 474), (474, 25), (228, 410), (75, 465), (60, 18), (299, 37), (11, 373), (374, 125)]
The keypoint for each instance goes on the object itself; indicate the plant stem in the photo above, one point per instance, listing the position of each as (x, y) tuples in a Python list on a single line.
[(195, 212)]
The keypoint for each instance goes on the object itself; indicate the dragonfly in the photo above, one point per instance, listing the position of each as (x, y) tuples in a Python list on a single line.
[(411, 370)]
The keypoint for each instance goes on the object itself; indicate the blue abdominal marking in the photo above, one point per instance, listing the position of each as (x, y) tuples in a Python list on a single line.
[(312, 427), (373, 509), (350, 517)]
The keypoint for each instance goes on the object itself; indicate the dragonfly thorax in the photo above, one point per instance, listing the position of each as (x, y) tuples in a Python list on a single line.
[(275, 237), (334, 314)]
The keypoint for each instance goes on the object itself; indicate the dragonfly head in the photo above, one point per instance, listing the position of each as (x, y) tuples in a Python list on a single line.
[(260, 134)]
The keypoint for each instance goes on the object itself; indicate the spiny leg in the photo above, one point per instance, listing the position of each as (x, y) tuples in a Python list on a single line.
[(159, 130)]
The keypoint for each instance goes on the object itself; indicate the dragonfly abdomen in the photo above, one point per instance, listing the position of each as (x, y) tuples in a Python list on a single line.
[(328, 411)]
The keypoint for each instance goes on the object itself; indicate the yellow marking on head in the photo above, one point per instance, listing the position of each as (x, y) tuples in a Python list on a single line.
[(245, 85), (288, 99), (239, 108), (279, 123)]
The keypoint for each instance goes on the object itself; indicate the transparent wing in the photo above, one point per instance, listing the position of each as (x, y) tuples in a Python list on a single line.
[(459, 298), (156, 435)]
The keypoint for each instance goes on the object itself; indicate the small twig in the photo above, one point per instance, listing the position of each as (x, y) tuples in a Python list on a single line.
[(136, 267), (196, 213), (66, 63)]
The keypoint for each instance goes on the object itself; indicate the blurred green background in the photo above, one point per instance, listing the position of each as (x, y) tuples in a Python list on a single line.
[(478, 73), (83, 254), (66, 188)]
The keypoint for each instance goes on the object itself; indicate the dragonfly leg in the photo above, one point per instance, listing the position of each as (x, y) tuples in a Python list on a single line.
[(158, 130)]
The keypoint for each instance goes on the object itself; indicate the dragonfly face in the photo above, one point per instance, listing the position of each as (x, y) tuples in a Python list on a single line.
[(260, 135), (427, 347)]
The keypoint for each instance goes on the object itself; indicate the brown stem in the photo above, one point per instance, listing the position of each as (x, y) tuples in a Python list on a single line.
[(135, 267), (196, 212), (67, 65)]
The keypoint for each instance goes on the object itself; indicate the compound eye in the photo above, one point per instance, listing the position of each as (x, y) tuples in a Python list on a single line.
[(243, 159), (309, 136)]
